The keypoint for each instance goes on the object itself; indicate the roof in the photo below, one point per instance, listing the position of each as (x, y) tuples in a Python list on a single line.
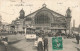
[(28, 19), (47, 9), (22, 10)]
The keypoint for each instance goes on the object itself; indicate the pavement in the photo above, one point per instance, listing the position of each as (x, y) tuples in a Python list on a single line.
[(19, 43), (68, 45), (2, 48)]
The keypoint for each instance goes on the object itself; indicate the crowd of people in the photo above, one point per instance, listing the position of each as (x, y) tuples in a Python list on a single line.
[(44, 46)]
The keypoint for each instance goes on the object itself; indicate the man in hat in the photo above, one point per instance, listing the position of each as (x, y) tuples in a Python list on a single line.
[(45, 44)]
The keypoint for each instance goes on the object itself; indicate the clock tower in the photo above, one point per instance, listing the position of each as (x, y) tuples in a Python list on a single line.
[(22, 14)]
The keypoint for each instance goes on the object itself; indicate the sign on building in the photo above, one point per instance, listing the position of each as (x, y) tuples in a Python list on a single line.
[(57, 43)]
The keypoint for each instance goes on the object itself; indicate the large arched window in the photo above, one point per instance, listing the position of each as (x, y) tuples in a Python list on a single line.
[(42, 18)]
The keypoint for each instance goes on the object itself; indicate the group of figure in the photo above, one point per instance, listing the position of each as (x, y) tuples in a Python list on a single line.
[(43, 46)]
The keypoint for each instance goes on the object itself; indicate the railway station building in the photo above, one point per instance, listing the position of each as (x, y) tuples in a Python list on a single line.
[(44, 19)]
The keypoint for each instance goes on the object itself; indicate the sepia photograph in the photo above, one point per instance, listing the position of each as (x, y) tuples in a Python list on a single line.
[(39, 25)]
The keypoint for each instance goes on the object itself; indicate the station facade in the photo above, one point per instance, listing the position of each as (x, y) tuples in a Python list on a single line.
[(44, 19)]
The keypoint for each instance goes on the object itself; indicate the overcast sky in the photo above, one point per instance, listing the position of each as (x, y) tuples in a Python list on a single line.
[(9, 9)]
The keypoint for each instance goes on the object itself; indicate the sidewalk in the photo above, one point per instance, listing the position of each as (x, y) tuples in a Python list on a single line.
[(68, 45)]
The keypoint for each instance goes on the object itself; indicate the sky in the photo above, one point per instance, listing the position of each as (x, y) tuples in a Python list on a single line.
[(9, 9)]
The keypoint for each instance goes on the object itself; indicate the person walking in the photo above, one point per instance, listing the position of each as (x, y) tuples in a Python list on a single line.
[(45, 44), (77, 38), (40, 46)]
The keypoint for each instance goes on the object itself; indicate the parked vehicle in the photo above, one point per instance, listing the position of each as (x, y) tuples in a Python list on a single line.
[(30, 34)]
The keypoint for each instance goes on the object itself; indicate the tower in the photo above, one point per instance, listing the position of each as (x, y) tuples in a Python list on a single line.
[(0, 20), (68, 18), (79, 29), (22, 14), (73, 23), (73, 29), (68, 12)]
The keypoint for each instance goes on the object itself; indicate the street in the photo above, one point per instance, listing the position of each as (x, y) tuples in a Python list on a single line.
[(19, 43), (68, 45)]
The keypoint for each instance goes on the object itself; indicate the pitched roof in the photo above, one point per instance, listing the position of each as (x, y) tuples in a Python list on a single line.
[(45, 8)]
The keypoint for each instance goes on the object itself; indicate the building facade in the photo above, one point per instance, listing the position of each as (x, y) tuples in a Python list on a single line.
[(45, 19)]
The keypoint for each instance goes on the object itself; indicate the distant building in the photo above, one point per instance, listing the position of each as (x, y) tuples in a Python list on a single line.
[(3, 26), (76, 29), (44, 19)]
